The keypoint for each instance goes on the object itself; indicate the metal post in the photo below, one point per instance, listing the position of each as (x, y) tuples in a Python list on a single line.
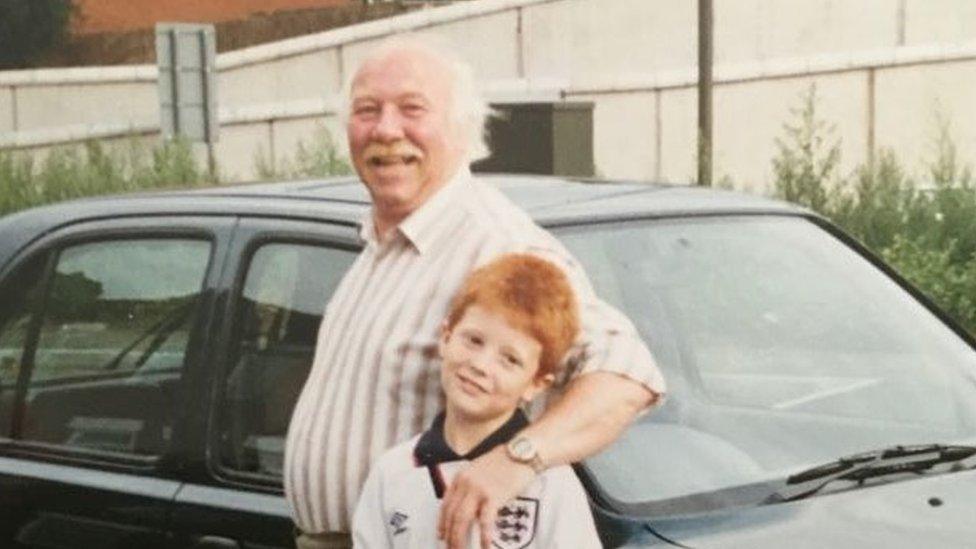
[(174, 62), (705, 56)]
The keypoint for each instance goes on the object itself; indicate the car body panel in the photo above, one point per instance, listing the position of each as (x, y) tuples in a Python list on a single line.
[(51, 505), (185, 497), (935, 511), (345, 201), (60, 496)]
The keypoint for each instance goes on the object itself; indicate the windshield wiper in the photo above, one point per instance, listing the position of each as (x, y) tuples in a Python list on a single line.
[(857, 468), (159, 331)]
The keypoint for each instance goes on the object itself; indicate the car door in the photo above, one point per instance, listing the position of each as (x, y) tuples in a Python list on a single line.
[(280, 275), (98, 324)]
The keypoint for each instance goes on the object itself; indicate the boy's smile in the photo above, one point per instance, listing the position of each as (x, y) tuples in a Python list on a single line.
[(488, 367)]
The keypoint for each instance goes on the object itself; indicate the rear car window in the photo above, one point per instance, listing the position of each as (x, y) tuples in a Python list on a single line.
[(278, 312), (106, 354)]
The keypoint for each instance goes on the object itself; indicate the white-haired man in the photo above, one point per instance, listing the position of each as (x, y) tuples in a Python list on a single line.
[(414, 123)]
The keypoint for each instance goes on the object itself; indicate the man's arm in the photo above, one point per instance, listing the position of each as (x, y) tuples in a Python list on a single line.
[(592, 413)]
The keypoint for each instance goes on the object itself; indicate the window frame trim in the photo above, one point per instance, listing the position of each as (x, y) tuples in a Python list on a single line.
[(250, 236), (191, 227)]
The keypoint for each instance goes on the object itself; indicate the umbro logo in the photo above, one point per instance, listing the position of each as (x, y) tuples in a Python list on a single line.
[(399, 523)]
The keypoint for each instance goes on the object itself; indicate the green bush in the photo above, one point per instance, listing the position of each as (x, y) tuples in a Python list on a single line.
[(805, 165), (951, 284), (319, 159), (926, 231), (73, 172), (94, 169)]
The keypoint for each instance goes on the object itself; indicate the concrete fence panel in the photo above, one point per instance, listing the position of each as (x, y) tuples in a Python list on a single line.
[(57, 105), (945, 21), (586, 38), (912, 102), (679, 135), (635, 59), (289, 135), (238, 148), (488, 42), (624, 135), (308, 75), (748, 30), (8, 107), (751, 116)]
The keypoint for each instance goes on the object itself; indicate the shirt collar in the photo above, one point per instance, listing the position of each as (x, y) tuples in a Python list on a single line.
[(432, 448), (417, 228)]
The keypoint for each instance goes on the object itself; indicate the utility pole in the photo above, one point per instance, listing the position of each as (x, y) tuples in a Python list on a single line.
[(705, 57)]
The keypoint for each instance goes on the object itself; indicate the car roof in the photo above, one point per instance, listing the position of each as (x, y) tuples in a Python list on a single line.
[(550, 200)]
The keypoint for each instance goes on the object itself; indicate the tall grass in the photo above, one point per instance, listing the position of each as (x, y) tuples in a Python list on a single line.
[(319, 158), (93, 169)]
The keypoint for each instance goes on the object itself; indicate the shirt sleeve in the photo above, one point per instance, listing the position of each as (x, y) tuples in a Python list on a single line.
[(568, 521), (608, 340), (368, 524)]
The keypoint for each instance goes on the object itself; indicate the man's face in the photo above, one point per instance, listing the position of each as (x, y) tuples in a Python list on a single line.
[(403, 141), (488, 366)]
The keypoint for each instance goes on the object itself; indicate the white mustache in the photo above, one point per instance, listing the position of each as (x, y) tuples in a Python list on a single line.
[(385, 154)]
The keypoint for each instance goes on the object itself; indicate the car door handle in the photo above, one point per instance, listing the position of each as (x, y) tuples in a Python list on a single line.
[(216, 542)]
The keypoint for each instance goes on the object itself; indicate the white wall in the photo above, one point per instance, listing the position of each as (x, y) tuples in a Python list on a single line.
[(946, 21), (635, 59), (314, 74), (52, 98), (764, 29), (912, 102), (7, 106)]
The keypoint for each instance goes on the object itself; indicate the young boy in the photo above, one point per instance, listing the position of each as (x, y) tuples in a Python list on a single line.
[(501, 345)]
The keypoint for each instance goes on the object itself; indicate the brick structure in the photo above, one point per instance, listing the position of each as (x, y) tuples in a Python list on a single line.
[(97, 16)]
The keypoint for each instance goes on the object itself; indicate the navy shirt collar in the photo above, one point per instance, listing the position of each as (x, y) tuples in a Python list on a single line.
[(432, 449)]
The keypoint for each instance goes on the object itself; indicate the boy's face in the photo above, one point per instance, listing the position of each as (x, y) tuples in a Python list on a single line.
[(488, 366)]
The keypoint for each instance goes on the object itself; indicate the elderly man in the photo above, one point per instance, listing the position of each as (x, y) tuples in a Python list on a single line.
[(413, 124)]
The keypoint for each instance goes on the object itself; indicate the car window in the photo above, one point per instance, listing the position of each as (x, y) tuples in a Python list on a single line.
[(113, 333), (782, 348), (18, 294), (278, 312)]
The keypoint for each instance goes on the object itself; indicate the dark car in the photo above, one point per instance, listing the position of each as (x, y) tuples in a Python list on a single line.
[(152, 348)]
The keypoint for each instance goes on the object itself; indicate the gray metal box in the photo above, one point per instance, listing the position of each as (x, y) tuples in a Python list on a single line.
[(541, 138)]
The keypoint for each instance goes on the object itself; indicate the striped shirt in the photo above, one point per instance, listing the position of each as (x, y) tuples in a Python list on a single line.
[(375, 377)]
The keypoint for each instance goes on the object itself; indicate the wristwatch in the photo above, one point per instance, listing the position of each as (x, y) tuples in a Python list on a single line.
[(521, 450)]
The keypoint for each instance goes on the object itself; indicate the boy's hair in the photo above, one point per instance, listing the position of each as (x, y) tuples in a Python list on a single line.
[(532, 294)]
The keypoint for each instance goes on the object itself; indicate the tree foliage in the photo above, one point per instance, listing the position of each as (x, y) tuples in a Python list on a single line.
[(28, 28), (807, 156), (925, 229)]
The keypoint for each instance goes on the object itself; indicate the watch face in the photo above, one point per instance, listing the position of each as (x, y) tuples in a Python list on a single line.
[(522, 448)]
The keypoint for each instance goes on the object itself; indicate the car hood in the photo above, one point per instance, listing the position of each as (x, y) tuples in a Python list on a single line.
[(932, 512)]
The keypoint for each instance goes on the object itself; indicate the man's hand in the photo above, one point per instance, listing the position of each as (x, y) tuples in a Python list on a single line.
[(476, 493)]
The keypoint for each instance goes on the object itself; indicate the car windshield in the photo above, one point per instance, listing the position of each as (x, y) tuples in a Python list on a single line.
[(782, 348)]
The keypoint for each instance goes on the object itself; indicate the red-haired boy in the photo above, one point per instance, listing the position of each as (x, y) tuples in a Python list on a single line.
[(501, 345)]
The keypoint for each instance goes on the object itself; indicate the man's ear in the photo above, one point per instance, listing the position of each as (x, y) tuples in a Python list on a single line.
[(442, 340)]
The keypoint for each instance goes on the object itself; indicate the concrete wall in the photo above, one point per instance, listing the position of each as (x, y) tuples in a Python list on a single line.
[(314, 74), (912, 101), (777, 28), (7, 108), (883, 69), (52, 98), (928, 21)]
